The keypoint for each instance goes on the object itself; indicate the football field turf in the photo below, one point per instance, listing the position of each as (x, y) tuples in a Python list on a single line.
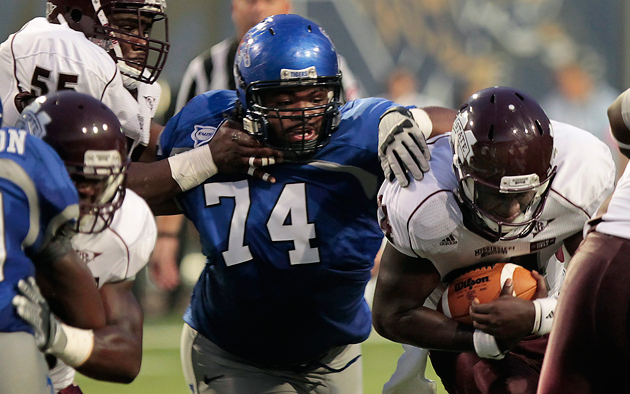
[(161, 371)]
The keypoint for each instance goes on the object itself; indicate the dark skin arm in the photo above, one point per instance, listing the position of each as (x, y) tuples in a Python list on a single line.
[(404, 283), (231, 150), (117, 353), (68, 286), (442, 119)]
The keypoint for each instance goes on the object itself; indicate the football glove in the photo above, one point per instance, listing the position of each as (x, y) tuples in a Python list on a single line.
[(32, 307), (402, 147)]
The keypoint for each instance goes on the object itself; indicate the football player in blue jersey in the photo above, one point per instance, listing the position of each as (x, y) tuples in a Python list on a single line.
[(279, 306), (37, 203)]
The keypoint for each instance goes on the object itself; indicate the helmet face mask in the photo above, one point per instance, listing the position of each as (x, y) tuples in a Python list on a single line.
[(88, 138), (288, 125), (289, 85), (503, 155), (125, 28)]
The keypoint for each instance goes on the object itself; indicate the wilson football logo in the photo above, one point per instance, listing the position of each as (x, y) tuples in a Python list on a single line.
[(469, 283)]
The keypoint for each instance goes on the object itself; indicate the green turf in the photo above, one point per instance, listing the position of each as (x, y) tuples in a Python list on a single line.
[(161, 370)]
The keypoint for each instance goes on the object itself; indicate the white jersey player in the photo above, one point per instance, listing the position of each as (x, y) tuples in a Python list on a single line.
[(114, 256), (115, 232), (506, 184), (43, 57)]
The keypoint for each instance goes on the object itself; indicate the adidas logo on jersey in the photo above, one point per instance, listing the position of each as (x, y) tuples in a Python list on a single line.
[(450, 240)]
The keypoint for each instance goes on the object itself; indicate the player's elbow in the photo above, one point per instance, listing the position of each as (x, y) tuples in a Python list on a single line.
[(384, 322)]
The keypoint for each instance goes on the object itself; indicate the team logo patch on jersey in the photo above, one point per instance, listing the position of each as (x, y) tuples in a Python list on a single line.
[(88, 256), (202, 134), (540, 226), (450, 240), (150, 102)]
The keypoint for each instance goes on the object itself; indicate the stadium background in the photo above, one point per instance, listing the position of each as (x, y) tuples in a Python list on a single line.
[(454, 46)]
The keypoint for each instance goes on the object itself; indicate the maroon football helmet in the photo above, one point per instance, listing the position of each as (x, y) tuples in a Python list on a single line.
[(88, 138), (503, 155), (123, 28)]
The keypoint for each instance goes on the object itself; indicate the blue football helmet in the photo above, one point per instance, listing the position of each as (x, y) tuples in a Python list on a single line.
[(281, 53)]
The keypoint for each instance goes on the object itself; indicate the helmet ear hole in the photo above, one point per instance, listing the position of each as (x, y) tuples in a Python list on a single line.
[(76, 15)]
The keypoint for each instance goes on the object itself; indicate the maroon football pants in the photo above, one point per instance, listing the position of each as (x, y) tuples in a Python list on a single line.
[(517, 373)]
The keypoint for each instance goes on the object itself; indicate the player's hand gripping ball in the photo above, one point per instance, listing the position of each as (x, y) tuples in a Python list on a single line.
[(485, 284)]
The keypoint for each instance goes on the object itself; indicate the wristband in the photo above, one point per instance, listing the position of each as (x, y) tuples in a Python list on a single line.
[(486, 346), (72, 345), (190, 169), (423, 120), (544, 315)]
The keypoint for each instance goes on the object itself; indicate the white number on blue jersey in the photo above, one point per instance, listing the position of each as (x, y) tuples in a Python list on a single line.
[(291, 203), (237, 252)]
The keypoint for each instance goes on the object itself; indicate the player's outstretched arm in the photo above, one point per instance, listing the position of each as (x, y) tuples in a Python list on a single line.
[(403, 285), (117, 352), (402, 146), (230, 151)]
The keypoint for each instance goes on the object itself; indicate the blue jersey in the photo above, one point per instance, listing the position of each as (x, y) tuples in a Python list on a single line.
[(287, 263), (36, 197)]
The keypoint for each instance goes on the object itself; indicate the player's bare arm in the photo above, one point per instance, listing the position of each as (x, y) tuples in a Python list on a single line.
[(68, 285), (230, 151), (441, 118), (117, 352), (403, 285)]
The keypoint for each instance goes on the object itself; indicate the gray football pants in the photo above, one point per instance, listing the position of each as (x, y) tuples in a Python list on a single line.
[(23, 368), (210, 370)]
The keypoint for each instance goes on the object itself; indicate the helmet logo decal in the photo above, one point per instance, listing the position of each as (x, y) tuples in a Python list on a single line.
[(460, 138), (310, 72), (243, 53), (50, 8), (33, 120), (202, 134)]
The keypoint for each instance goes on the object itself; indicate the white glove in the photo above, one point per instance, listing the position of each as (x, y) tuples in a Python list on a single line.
[(402, 146), (33, 308)]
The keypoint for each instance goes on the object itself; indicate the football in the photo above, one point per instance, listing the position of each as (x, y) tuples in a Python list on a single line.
[(485, 284)]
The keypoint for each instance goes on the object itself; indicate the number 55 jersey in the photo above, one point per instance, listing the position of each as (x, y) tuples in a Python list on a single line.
[(42, 58)]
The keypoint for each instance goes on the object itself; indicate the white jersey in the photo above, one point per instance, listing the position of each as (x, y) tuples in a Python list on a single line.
[(616, 221), (43, 57), (148, 100), (121, 250), (116, 254), (426, 220)]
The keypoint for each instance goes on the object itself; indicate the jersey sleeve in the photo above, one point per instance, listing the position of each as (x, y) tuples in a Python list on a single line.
[(197, 122), (582, 156), (57, 195)]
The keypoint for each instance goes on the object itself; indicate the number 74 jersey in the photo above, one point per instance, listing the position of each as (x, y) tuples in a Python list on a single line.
[(287, 262)]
